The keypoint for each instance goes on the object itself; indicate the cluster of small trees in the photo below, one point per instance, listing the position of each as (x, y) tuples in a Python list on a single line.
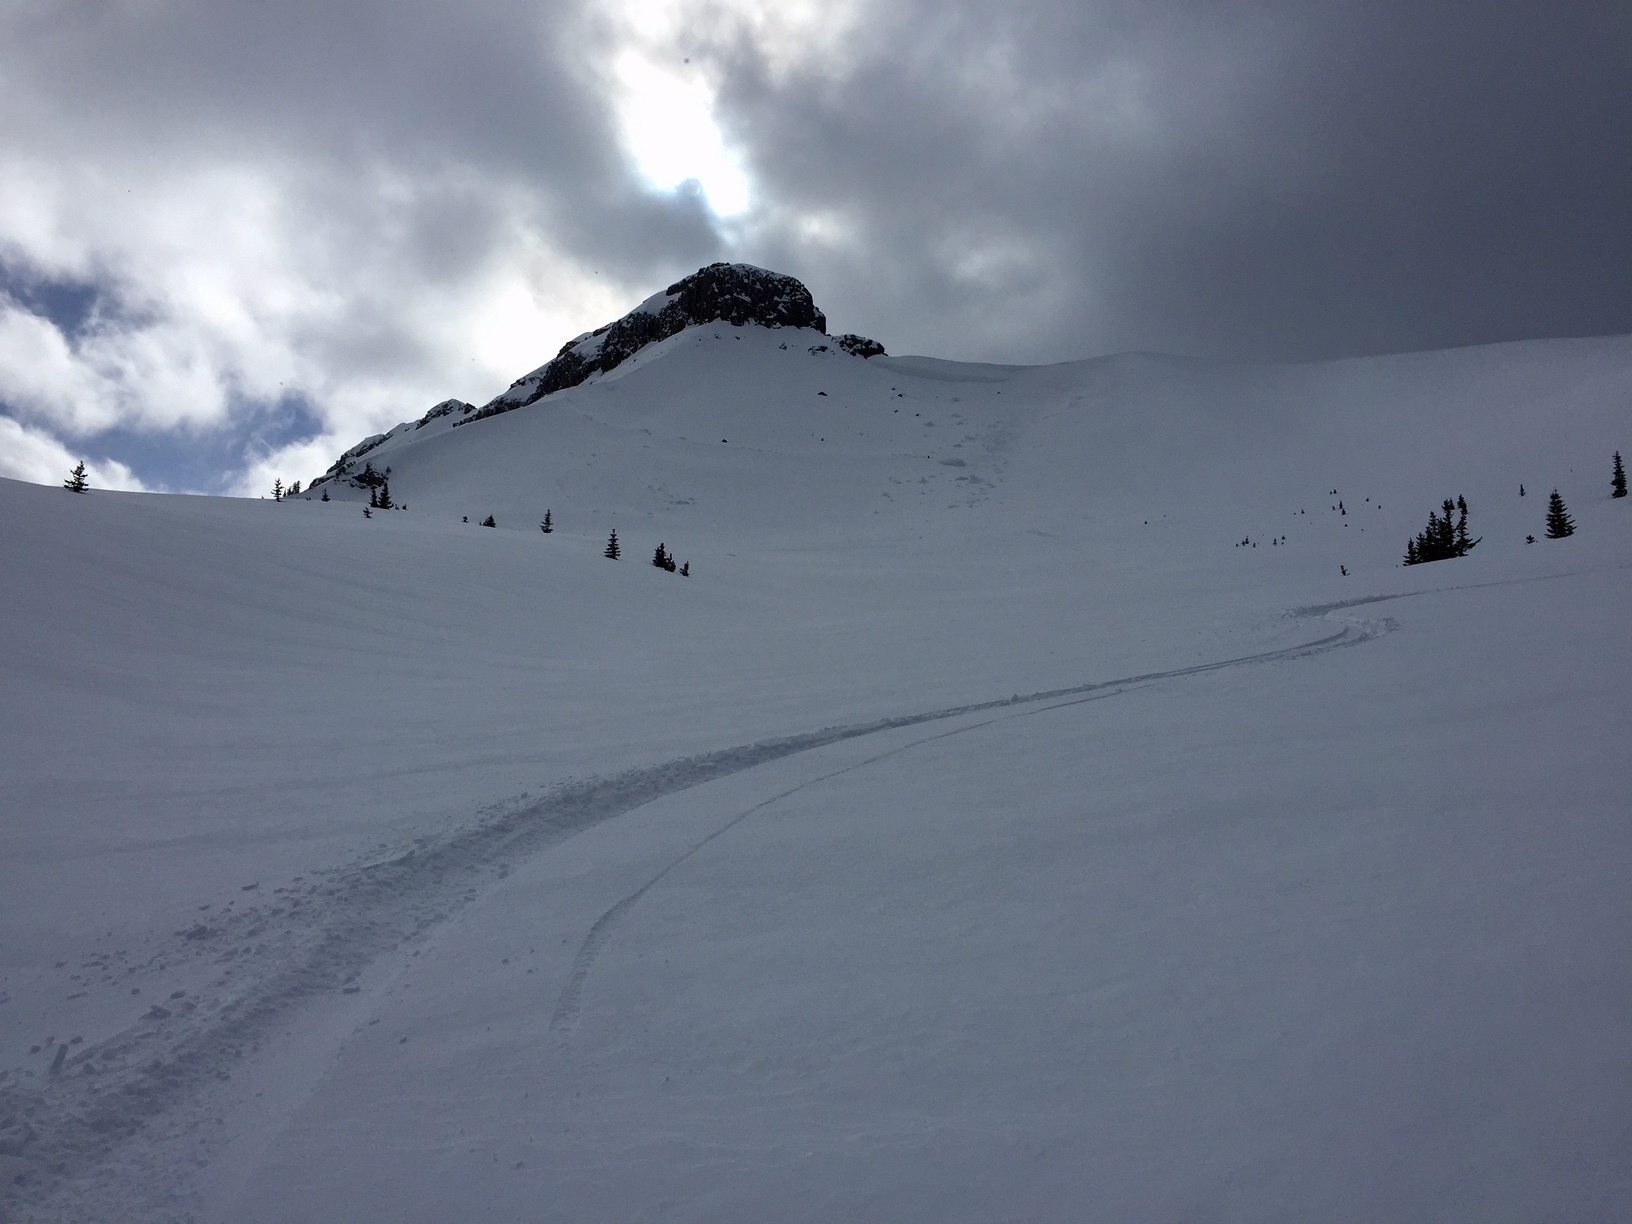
[(1442, 539), (662, 558)]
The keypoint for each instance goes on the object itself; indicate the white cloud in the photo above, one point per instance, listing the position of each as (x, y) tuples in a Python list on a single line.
[(35, 456)]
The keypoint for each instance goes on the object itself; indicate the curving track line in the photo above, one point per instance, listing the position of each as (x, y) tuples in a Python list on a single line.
[(568, 1008), (72, 1123)]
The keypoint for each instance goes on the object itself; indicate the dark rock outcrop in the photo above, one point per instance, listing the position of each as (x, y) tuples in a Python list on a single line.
[(737, 294), (859, 346), (731, 293), (443, 409)]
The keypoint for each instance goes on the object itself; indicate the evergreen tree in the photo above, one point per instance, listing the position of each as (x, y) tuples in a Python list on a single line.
[(685, 570), (367, 513), (325, 495), (373, 498), (385, 496), (77, 482), (294, 490), (490, 521), (1559, 523), (1461, 543), (1444, 537), (613, 552), (548, 525), (1618, 481), (660, 558), (277, 489)]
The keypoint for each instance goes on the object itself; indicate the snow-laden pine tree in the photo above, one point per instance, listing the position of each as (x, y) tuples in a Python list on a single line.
[(1559, 523)]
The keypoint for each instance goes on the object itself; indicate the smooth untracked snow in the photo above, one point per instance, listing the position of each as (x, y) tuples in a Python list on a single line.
[(979, 834)]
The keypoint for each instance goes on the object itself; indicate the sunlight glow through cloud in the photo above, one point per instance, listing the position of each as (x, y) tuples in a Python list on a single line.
[(668, 125)]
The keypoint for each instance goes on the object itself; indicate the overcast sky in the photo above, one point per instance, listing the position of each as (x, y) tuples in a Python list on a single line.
[(235, 238)]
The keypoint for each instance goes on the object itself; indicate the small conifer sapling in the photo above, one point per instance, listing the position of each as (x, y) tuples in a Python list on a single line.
[(1617, 482), (77, 481), (1559, 522), (490, 521), (325, 495), (613, 552), (548, 525)]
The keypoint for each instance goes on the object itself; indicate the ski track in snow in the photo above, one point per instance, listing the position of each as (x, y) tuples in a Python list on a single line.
[(316, 938), (565, 1018)]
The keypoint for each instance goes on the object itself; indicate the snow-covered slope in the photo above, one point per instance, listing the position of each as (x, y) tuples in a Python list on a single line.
[(1017, 813)]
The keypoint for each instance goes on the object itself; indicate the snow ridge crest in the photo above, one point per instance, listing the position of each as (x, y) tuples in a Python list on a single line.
[(734, 293)]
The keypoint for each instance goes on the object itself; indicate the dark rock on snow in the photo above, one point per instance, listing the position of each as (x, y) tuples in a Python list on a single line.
[(732, 293), (738, 294), (859, 346), (443, 409)]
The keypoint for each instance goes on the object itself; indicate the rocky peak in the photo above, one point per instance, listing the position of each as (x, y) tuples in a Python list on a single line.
[(732, 293), (737, 294)]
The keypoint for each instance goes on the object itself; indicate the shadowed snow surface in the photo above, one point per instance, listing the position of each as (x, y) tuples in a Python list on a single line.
[(997, 825)]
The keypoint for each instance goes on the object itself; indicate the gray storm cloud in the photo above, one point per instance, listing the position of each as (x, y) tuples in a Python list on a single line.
[(369, 206)]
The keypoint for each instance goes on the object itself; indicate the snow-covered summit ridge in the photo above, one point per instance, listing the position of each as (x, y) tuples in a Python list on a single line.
[(739, 294)]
